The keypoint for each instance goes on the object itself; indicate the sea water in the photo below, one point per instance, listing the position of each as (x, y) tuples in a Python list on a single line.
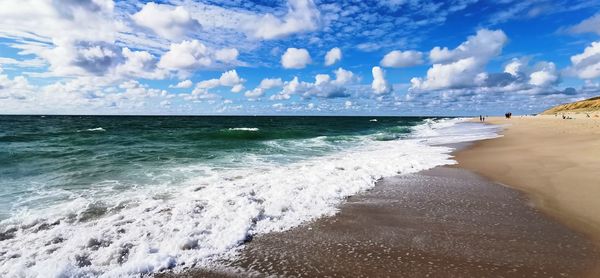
[(121, 196)]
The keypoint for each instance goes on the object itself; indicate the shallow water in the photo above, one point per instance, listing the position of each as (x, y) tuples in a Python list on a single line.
[(114, 196)]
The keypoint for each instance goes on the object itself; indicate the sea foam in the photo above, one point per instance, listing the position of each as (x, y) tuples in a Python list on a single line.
[(210, 216)]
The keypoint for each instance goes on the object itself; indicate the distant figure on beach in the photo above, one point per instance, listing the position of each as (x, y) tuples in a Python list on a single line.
[(508, 115), (480, 118)]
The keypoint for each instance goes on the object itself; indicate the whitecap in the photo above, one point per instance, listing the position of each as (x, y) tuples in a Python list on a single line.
[(209, 216), (243, 129), (96, 129)]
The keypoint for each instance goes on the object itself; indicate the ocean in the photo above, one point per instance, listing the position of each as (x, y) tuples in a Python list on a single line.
[(117, 196)]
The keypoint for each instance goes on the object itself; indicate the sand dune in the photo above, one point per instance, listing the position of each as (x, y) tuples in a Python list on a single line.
[(591, 105)]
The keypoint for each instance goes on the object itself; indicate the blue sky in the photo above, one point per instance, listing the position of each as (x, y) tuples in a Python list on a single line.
[(296, 57)]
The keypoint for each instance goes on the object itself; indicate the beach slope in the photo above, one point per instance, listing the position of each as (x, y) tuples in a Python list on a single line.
[(557, 161)]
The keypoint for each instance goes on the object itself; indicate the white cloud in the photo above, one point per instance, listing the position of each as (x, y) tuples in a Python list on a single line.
[(227, 79), (587, 64), (398, 59), (190, 55), (269, 83), (590, 25), (544, 76), (183, 84), (348, 104), (322, 87), (165, 20), (186, 55), (333, 56), (464, 65), (484, 45), (514, 68), (254, 94), (265, 84), (295, 58), (302, 16), (380, 85), (139, 64), (227, 55)]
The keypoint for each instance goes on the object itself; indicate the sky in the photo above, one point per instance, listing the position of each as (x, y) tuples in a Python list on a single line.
[(296, 57)]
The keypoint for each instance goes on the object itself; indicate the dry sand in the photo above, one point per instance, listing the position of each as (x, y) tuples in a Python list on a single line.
[(557, 161), (446, 222)]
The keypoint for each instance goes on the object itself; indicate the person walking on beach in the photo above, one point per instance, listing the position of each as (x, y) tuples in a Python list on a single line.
[(480, 118)]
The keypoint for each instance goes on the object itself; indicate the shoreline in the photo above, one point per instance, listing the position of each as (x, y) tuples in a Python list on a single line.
[(549, 159), (443, 222), (450, 221)]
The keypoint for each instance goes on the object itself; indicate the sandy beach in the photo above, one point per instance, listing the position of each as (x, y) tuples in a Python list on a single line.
[(445, 222), (556, 161)]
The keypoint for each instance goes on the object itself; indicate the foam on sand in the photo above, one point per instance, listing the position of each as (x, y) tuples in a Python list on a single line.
[(146, 230)]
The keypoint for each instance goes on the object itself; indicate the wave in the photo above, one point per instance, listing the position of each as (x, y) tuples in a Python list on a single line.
[(243, 129), (96, 129), (209, 216)]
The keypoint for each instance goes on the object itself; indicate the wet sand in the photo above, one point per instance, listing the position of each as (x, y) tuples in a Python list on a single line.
[(446, 222), (556, 161)]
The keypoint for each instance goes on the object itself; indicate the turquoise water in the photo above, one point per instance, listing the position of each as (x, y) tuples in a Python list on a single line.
[(129, 196), (44, 160)]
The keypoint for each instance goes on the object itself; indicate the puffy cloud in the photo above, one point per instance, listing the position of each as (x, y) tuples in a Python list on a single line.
[(590, 25), (265, 84), (464, 65), (514, 68), (302, 16), (183, 84), (269, 83), (586, 65), (186, 55), (333, 56), (165, 20), (189, 55), (227, 55), (139, 64), (544, 76), (227, 79), (484, 45), (323, 87), (295, 58), (380, 85), (398, 59)]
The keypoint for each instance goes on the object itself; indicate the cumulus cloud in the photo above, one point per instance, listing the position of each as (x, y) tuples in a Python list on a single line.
[(333, 56), (462, 66), (189, 55), (398, 59), (269, 83), (139, 64), (265, 84), (544, 76), (302, 16), (165, 20), (295, 58), (322, 87), (380, 85), (484, 45), (227, 55), (183, 84), (586, 65), (227, 79)]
